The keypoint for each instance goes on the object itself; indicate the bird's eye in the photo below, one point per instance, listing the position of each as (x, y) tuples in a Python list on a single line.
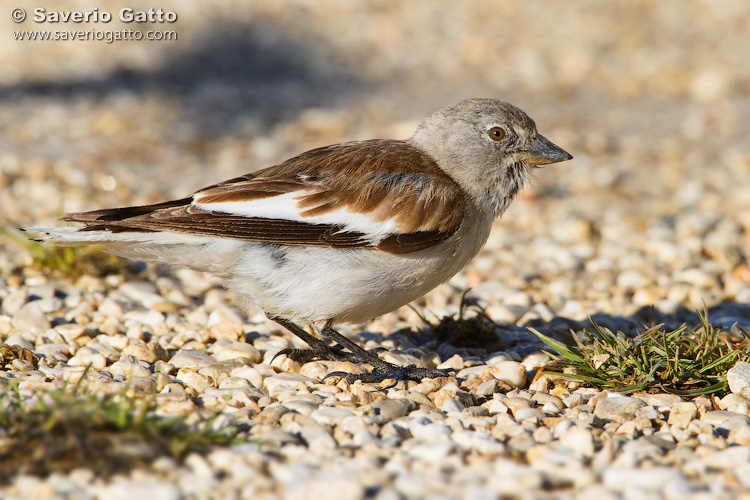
[(496, 133)]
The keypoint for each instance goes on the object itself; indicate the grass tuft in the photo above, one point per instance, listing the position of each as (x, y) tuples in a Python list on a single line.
[(686, 362), (60, 430)]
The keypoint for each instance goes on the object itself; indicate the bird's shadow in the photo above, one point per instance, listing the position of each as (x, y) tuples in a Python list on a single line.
[(475, 335), (222, 76)]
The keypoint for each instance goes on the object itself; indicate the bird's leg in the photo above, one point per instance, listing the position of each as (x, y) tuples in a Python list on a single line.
[(382, 370), (362, 355), (318, 348)]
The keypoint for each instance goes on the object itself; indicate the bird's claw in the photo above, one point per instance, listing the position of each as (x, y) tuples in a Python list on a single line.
[(324, 352), (395, 372)]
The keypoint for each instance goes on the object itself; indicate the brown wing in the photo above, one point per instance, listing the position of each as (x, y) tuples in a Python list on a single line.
[(379, 179)]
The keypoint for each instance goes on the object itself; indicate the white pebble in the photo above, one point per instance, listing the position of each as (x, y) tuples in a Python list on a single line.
[(191, 359), (17, 339), (96, 360), (512, 373), (738, 378)]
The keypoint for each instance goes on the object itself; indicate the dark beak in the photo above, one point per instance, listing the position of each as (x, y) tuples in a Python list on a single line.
[(543, 152)]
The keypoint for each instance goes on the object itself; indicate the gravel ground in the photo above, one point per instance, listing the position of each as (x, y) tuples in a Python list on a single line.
[(650, 221)]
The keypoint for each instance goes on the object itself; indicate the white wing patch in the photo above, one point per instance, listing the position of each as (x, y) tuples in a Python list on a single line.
[(286, 207)]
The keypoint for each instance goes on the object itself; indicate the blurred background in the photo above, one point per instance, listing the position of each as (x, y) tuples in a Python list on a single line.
[(651, 98)]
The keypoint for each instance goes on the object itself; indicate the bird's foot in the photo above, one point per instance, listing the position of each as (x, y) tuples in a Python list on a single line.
[(381, 370), (385, 371)]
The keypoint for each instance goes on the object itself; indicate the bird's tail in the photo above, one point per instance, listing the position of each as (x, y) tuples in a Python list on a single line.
[(196, 252)]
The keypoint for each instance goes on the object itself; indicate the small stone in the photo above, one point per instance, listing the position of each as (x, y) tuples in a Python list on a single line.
[(318, 438), (141, 385), (628, 428), (107, 350), (30, 318), (430, 360), (109, 307), (233, 383), (535, 360), (400, 358), (95, 359), (14, 301), (71, 332), (164, 307), (143, 292), (579, 440), (17, 339), (236, 350), (272, 413), (451, 405), (720, 417), (661, 402), (163, 367), (480, 442), (681, 414), (286, 382), (455, 362), (147, 352), (477, 371), (331, 415), (115, 343), (512, 373), (59, 352), (515, 404), (227, 330), (731, 400), (391, 409), (543, 398), (249, 373), (654, 478), (108, 387), (195, 380), (191, 359), (128, 366), (434, 453), (529, 414), (739, 436), (614, 406), (141, 488), (22, 365), (550, 408), (728, 459), (738, 378), (303, 407), (423, 429), (542, 435), (451, 391), (573, 400), (488, 388), (496, 406), (499, 357), (321, 485), (317, 369), (505, 313), (174, 403), (222, 313)]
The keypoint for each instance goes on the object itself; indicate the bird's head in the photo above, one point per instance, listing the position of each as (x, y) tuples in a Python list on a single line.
[(489, 147)]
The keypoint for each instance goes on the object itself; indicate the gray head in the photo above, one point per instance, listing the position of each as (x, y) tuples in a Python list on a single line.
[(489, 147)]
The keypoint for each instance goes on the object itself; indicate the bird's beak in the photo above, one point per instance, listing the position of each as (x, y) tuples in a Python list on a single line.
[(542, 152)]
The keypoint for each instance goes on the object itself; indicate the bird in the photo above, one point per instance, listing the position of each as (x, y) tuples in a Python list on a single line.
[(344, 233)]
